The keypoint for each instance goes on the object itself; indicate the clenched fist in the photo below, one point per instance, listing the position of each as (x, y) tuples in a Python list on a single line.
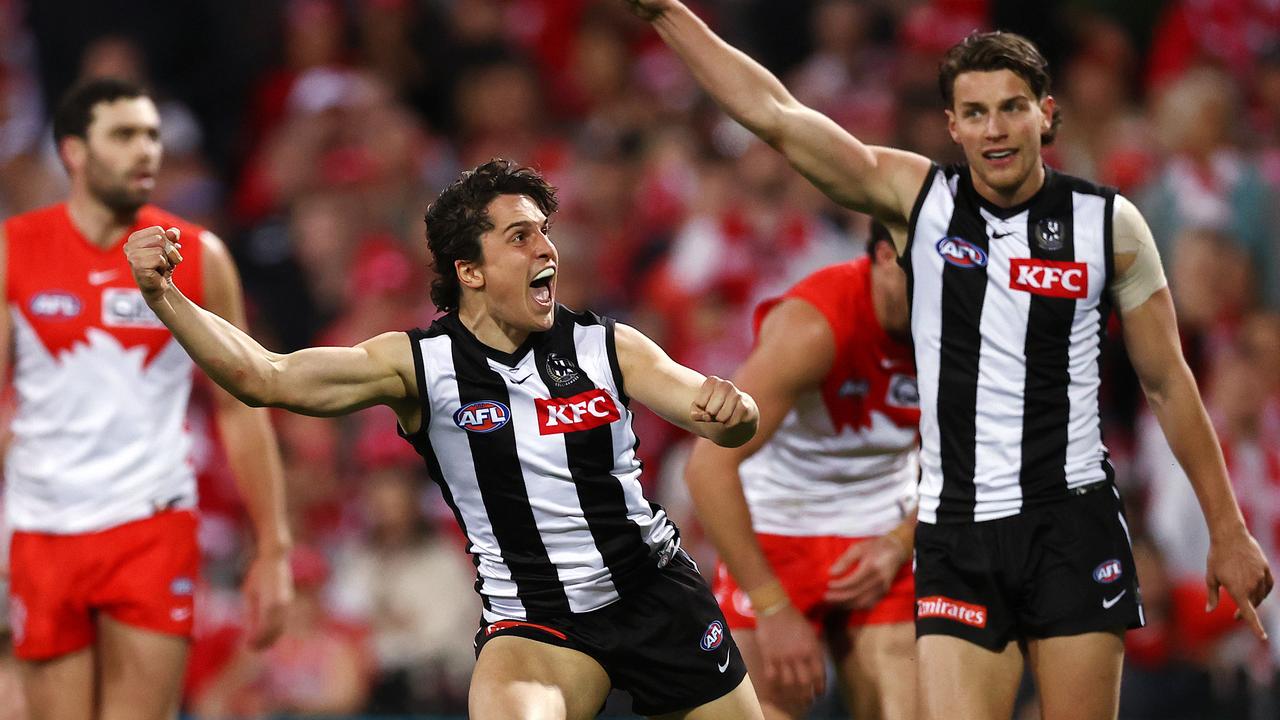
[(153, 254), (720, 401)]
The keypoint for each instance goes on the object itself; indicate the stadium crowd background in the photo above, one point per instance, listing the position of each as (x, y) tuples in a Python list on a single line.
[(309, 134)]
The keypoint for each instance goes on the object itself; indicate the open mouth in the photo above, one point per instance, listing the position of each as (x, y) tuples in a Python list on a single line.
[(541, 285), (998, 155)]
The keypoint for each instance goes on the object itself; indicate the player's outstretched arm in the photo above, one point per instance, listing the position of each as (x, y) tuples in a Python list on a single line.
[(708, 406), (315, 381), (794, 352), (879, 181)]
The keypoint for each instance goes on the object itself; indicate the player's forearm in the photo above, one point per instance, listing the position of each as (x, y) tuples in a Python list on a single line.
[(255, 462), (716, 490), (229, 356), (745, 89), (1176, 404)]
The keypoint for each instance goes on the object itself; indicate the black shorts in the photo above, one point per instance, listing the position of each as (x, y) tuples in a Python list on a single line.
[(1064, 568), (667, 644)]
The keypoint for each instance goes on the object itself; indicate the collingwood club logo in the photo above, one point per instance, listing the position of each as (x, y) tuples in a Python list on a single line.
[(561, 370), (1048, 233)]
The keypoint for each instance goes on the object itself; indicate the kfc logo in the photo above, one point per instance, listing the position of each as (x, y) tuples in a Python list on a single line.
[(1050, 278), (583, 411), (944, 607)]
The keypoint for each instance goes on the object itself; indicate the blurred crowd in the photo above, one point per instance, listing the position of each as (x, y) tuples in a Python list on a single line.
[(310, 134)]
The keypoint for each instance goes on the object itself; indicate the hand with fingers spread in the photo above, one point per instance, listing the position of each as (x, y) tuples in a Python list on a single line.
[(153, 254), (1237, 564), (720, 402), (866, 571)]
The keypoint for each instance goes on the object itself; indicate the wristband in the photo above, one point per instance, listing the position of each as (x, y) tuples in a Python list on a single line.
[(769, 598)]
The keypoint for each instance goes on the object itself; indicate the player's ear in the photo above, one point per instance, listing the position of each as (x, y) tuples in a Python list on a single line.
[(470, 274), (73, 150)]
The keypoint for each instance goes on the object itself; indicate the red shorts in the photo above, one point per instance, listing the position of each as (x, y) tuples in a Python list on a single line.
[(802, 564), (142, 573)]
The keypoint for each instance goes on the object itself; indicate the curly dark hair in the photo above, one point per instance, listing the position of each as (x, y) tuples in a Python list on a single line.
[(998, 50), (459, 216), (75, 110)]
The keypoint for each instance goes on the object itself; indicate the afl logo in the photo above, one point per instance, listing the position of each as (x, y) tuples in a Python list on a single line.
[(714, 635), (1108, 572), (482, 417), (55, 305), (961, 253)]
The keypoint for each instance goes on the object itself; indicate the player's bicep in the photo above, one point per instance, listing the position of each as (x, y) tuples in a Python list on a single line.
[(878, 181), (329, 381), (654, 379), (1139, 273)]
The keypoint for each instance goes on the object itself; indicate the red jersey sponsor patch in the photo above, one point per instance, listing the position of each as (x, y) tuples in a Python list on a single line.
[(1051, 278), (583, 411), (940, 606)]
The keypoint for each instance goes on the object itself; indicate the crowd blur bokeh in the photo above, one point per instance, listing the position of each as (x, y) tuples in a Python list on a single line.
[(310, 135)]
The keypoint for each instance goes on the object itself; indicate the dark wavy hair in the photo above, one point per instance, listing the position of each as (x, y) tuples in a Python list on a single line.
[(998, 50), (460, 215), (75, 109)]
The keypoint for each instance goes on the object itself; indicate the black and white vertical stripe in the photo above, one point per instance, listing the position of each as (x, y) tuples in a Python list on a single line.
[(556, 523), (1008, 378)]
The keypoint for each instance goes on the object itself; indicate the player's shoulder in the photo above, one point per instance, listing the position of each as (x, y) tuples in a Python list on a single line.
[(40, 219), (1076, 184), (833, 282)]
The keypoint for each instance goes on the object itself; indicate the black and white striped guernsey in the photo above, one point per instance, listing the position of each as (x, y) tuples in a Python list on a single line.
[(1008, 311), (535, 454)]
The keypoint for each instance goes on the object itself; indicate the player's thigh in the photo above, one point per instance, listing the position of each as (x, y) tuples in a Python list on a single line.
[(961, 679), (774, 705), (139, 671), (516, 678), (877, 669), (1078, 676), (60, 688), (738, 704)]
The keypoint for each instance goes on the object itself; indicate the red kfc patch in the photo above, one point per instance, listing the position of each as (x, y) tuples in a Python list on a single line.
[(583, 411), (1051, 278)]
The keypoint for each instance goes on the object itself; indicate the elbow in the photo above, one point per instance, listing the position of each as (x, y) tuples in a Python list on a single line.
[(252, 387)]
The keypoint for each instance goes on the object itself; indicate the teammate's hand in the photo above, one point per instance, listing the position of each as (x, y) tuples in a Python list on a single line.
[(720, 401), (649, 9), (268, 590), (875, 563), (794, 664), (153, 254), (1237, 564)]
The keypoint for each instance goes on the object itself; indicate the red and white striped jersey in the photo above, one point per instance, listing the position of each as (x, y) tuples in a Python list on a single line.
[(102, 386), (843, 462)]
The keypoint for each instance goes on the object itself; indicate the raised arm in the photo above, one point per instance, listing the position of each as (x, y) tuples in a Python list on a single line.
[(315, 381), (255, 462), (1235, 561), (879, 181), (795, 351), (707, 406)]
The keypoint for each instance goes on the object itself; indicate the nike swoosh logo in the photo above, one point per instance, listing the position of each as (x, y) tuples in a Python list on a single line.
[(521, 380), (997, 236), (1106, 604), (727, 655), (102, 276)]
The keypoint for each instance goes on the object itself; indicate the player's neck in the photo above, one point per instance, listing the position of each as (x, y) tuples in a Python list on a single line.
[(1012, 196), (490, 330), (99, 224)]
